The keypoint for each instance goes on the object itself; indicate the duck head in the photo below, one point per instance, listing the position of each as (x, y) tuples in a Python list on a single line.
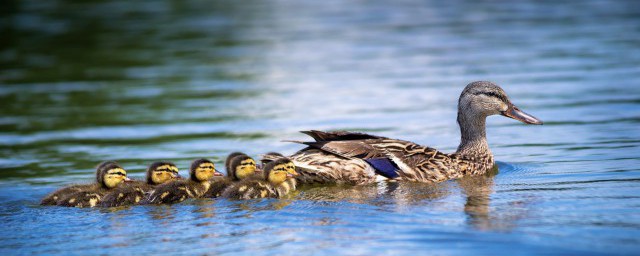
[(110, 174), (202, 170), (161, 172), (241, 166), (481, 99)]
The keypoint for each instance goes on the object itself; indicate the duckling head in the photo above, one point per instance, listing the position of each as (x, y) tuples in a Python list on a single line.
[(202, 170), (291, 168), (278, 171), (161, 172), (241, 166), (110, 174), (482, 98), (227, 162)]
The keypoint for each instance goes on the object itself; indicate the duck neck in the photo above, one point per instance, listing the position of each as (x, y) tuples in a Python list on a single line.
[(473, 140)]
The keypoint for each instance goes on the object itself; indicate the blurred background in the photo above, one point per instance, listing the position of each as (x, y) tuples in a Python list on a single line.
[(140, 81)]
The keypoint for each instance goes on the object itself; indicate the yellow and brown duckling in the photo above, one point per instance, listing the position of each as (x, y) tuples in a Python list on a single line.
[(200, 173), (133, 192), (277, 182), (239, 167), (109, 175)]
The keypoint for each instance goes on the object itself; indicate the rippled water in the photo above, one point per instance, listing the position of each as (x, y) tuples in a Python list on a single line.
[(176, 80)]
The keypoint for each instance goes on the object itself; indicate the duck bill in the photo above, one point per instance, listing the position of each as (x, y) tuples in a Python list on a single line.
[(218, 174), (517, 114)]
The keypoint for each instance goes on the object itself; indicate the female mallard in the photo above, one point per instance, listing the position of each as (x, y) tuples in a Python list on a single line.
[(201, 171), (109, 175), (277, 182), (239, 166), (358, 158), (132, 192)]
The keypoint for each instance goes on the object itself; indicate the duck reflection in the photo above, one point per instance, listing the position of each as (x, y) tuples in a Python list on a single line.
[(478, 190), (481, 215)]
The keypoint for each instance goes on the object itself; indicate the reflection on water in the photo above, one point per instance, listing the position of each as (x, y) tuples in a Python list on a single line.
[(144, 81)]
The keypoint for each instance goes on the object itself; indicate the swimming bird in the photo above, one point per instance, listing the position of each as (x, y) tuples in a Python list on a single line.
[(133, 192), (200, 173), (278, 182), (359, 158), (109, 175), (239, 166)]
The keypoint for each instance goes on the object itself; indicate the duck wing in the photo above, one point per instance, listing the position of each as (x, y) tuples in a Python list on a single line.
[(339, 135), (390, 158)]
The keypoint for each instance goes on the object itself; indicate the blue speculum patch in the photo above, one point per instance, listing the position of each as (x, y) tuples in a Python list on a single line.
[(384, 167)]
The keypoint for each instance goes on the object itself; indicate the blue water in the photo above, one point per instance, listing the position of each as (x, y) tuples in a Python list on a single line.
[(139, 82)]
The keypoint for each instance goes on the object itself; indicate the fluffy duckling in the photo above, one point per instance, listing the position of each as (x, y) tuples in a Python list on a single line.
[(109, 175), (239, 166), (52, 199), (201, 171), (278, 182), (132, 192)]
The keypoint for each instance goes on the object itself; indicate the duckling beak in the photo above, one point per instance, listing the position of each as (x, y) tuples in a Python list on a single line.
[(289, 175), (218, 174), (126, 179), (517, 114)]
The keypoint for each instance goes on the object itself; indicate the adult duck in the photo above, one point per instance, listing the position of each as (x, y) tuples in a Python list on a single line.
[(359, 158)]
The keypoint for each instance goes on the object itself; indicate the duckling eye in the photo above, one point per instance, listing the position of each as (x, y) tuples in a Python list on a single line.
[(206, 166), (248, 163)]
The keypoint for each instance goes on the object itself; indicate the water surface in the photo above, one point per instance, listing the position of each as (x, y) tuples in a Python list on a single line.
[(178, 80)]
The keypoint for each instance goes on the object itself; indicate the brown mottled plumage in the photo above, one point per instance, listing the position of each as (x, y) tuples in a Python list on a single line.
[(201, 171), (340, 157), (133, 192)]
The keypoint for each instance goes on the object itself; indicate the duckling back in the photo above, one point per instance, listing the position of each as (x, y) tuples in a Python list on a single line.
[(56, 196), (218, 185), (250, 189), (176, 191), (88, 197), (127, 194)]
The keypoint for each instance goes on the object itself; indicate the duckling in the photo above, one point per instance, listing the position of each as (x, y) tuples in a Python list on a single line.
[(132, 192), (277, 182), (290, 166), (108, 177), (239, 167), (52, 199), (201, 171)]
